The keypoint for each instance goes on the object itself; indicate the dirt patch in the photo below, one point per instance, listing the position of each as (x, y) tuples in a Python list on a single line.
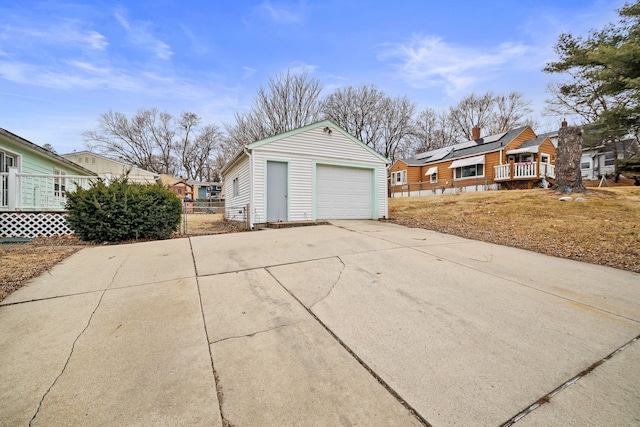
[(603, 230), (209, 224), (20, 262)]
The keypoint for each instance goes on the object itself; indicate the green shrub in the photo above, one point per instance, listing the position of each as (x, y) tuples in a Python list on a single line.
[(123, 210)]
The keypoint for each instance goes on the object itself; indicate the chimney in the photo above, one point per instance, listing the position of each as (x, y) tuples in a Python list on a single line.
[(475, 132), (564, 123)]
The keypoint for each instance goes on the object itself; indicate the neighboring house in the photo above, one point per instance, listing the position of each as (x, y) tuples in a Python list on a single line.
[(316, 172), (33, 186), (517, 158), (183, 189), (207, 191), (109, 169), (601, 160)]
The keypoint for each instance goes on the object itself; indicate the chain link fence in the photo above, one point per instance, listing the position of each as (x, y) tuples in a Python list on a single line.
[(212, 218)]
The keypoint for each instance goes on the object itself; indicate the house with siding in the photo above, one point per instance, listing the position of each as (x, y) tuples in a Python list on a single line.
[(517, 158), (33, 186), (110, 169), (600, 161), (315, 172)]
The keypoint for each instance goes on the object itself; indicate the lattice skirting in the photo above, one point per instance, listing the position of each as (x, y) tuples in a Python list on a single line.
[(33, 224)]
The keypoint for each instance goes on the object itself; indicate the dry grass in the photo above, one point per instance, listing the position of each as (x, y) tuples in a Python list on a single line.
[(604, 230), (209, 223), (19, 263)]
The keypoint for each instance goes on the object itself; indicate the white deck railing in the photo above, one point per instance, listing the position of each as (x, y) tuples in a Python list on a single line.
[(523, 170), (502, 172), (547, 170), (38, 192)]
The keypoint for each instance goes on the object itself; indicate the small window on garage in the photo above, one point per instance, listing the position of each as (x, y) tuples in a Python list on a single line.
[(585, 165), (236, 187)]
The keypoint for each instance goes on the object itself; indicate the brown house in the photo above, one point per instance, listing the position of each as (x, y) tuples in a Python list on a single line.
[(182, 189), (517, 158)]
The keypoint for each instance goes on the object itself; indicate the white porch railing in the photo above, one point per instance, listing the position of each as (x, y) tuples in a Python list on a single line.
[(523, 170), (37, 192), (547, 170), (502, 172)]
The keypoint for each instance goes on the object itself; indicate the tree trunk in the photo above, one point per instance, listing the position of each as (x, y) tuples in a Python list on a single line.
[(568, 176)]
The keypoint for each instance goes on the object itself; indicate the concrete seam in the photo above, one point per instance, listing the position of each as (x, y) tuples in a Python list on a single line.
[(332, 287), (362, 363), (547, 397), (216, 378), (73, 346)]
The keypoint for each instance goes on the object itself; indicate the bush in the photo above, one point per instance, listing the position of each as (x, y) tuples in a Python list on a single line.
[(123, 210)]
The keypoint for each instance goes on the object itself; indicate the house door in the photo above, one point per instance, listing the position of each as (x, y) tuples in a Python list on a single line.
[(277, 194)]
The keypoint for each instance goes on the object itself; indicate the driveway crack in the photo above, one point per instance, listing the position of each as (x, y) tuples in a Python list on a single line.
[(332, 286), (73, 345), (253, 334)]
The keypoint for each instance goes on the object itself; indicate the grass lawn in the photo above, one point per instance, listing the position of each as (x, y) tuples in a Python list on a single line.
[(603, 230)]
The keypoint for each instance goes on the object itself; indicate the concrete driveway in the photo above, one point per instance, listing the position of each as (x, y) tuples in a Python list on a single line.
[(355, 323)]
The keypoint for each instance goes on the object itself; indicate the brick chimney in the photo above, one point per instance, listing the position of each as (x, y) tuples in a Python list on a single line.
[(564, 123), (475, 132)]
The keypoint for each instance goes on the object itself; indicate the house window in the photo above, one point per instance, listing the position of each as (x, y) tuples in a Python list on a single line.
[(236, 187), (433, 178), (609, 159), (399, 177), (7, 161), (59, 183), (545, 158), (585, 165), (470, 171)]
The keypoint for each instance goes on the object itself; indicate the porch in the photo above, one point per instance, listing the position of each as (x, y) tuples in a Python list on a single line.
[(524, 171), (22, 192)]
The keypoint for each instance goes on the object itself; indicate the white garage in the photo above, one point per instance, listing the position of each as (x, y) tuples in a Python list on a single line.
[(316, 172), (344, 192)]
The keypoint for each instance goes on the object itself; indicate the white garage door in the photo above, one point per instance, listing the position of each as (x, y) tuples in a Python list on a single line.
[(344, 193)]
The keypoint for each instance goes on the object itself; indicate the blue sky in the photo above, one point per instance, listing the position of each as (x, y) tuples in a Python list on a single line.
[(63, 63)]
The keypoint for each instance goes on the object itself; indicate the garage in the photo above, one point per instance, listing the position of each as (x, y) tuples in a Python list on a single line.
[(316, 172), (344, 192)]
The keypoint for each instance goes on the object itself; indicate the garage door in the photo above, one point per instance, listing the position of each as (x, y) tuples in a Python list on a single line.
[(344, 193)]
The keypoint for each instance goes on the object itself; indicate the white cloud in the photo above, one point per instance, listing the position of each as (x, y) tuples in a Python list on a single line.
[(430, 61), (248, 72), (140, 35), (61, 33), (281, 13)]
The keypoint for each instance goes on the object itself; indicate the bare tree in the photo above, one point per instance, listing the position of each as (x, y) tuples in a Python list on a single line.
[(156, 141), (396, 127), (510, 111), (472, 111), (288, 102), (432, 130), (196, 146), (138, 141), (356, 110), (383, 123), (489, 112)]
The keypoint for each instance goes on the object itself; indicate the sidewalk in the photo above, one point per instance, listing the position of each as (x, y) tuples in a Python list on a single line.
[(357, 323)]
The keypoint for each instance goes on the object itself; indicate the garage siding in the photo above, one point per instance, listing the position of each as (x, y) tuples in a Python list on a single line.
[(240, 171)]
